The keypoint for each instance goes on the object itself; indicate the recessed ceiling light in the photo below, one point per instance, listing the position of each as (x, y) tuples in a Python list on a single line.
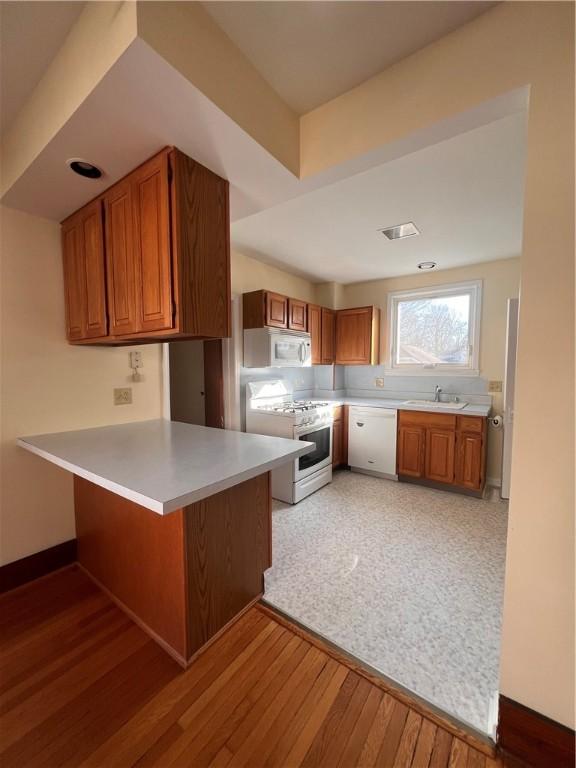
[(84, 168), (427, 265), (400, 230)]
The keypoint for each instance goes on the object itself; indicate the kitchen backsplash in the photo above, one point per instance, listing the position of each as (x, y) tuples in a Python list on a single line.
[(359, 381), (325, 381)]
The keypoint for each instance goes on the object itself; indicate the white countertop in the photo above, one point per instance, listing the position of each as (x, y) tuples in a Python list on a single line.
[(164, 465), (471, 409)]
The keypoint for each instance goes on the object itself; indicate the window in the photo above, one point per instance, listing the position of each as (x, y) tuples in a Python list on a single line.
[(435, 329)]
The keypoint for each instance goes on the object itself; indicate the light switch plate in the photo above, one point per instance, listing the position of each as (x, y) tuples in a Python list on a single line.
[(379, 382), (122, 395), (494, 386)]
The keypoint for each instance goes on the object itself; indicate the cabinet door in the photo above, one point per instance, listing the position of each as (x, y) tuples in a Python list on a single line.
[(469, 460), (84, 275), (315, 330), (297, 319), (150, 205), (440, 454), (74, 281), (276, 310), (93, 242), (411, 446), (328, 335), (121, 272), (354, 336), (337, 430)]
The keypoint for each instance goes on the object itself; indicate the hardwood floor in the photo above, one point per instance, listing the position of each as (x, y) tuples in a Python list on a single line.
[(81, 685)]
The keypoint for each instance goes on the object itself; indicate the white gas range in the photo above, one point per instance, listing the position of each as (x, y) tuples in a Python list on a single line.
[(271, 410)]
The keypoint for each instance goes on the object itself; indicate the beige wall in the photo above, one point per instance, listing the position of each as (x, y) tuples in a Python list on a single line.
[(251, 275), (186, 35), (512, 45), (500, 281), (48, 385)]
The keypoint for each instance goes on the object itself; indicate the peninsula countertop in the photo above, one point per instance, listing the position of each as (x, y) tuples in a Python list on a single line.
[(164, 465)]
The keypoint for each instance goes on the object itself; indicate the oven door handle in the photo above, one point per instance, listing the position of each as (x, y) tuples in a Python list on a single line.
[(307, 429)]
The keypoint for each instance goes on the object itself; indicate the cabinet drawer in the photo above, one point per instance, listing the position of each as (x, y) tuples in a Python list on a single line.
[(471, 424), (426, 419), (338, 413)]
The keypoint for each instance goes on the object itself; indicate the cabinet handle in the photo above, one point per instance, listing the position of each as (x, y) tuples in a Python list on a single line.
[(359, 423)]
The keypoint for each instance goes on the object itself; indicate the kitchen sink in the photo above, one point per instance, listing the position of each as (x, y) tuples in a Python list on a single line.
[(433, 404)]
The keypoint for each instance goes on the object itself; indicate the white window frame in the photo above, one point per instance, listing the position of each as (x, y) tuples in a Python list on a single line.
[(474, 289)]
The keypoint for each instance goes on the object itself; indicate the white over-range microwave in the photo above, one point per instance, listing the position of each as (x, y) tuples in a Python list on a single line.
[(276, 348)]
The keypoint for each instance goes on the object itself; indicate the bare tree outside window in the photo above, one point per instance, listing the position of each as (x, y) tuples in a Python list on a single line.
[(433, 331)]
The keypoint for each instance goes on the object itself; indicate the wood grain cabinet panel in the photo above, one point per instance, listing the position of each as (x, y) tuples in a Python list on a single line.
[(74, 281), (337, 443), (297, 315), (183, 576), (120, 259), (452, 448), (150, 197), (328, 336), (276, 310), (469, 462), (167, 254), (315, 331), (357, 336), (228, 550), (340, 436), (84, 273), (440, 454), (410, 451), (94, 260)]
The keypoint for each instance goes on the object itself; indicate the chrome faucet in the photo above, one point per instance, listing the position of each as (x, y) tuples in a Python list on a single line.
[(437, 392)]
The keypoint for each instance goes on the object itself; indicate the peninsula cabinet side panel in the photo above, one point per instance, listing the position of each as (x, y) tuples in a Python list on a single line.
[(138, 558), (228, 545)]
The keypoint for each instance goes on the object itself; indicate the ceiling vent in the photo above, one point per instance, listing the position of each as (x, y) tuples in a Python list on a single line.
[(400, 231)]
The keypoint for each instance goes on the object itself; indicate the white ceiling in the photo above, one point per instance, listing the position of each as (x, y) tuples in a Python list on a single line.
[(30, 35), (311, 52), (465, 195)]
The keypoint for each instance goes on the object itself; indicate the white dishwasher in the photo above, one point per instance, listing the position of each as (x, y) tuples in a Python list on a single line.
[(372, 440)]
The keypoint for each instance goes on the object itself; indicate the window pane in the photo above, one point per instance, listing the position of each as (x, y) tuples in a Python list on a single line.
[(433, 331)]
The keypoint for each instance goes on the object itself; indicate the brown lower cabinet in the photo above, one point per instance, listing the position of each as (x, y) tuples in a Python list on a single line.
[(340, 436), (183, 577), (149, 259), (442, 448)]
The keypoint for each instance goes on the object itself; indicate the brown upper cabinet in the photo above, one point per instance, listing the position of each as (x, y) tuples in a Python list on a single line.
[(267, 309), (321, 325), (328, 336), (163, 233), (358, 336), (297, 315), (315, 331), (442, 448), (84, 273)]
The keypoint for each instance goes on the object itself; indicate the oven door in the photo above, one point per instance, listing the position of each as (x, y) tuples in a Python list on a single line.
[(321, 456)]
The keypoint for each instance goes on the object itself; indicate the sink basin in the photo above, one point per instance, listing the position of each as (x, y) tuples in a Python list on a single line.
[(433, 404)]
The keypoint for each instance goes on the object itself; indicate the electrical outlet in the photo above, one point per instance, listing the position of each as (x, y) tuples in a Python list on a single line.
[(494, 386), (379, 382), (122, 395)]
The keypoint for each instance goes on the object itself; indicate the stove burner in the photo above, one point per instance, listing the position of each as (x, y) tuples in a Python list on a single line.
[(296, 406)]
